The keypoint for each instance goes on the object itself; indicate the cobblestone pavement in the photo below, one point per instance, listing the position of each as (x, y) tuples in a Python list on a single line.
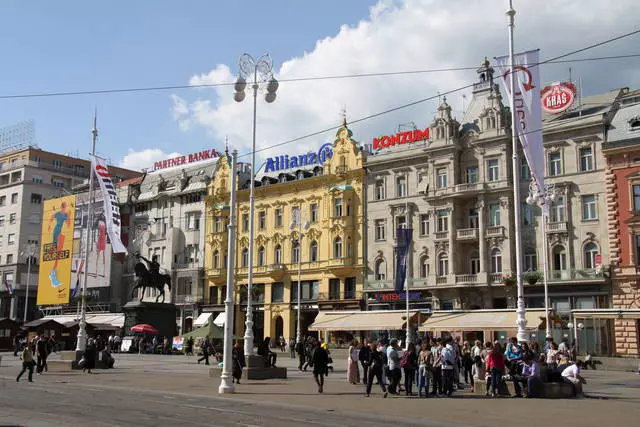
[(152, 389)]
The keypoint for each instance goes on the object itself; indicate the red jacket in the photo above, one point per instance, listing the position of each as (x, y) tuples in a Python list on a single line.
[(495, 360)]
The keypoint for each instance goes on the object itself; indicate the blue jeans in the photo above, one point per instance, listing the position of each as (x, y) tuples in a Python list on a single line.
[(425, 377), (496, 379)]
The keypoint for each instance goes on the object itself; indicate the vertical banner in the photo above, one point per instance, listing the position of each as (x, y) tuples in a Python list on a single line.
[(54, 279), (525, 99), (111, 208), (403, 242)]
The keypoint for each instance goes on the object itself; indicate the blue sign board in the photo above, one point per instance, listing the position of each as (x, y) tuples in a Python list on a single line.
[(285, 162)]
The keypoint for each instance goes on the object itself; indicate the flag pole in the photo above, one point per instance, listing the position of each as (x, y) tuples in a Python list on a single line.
[(520, 310), (81, 343), (406, 276)]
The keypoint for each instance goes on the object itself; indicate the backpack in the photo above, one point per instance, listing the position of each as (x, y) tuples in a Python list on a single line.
[(406, 361)]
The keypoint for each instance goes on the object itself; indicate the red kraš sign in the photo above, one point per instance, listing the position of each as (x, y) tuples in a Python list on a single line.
[(400, 138), (557, 97)]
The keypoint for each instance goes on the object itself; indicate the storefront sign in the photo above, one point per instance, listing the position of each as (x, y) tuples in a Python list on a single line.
[(558, 97), (397, 296), (400, 138), (183, 160), (281, 163)]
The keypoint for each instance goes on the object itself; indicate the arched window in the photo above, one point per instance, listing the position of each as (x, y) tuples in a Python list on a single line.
[(496, 261), (381, 270), (261, 257), (295, 252), (216, 259), (245, 257), (277, 255), (424, 266), (559, 258), (443, 264), (313, 251), (590, 253), (337, 248)]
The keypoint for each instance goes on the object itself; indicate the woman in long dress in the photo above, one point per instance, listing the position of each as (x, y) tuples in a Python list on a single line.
[(353, 373)]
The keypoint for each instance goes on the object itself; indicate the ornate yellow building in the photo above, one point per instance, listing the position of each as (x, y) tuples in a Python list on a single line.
[(328, 188)]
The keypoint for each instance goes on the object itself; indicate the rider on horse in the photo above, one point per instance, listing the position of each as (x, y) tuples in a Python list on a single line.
[(153, 266)]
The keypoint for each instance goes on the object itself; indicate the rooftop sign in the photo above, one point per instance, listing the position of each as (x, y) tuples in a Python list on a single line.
[(400, 138), (184, 160), (558, 97), (284, 162)]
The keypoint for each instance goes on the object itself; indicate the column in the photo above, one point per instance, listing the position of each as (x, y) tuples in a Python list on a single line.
[(452, 257), (483, 243), (13, 308)]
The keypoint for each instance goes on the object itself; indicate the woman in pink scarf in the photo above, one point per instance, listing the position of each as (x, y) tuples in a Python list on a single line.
[(353, 373)]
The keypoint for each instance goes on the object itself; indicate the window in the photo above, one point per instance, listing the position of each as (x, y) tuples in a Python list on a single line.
[(443, 220), (636, 197), (57, 183), (278, 217), (441, 178), (443, 264), (555, 164), (261, 257), (528, 218), (277, 255), (473, 218), (590, 254), (1, 240), (337, 207), (380, 229), (334, 288), (36, 199), (557, 210), (494, 215), (350, 288), (314, 212), (193, 221), (295, 252), (379, 189), (262, 220), (424, 224), (11, 239), (216, 259), (1, 220), (525, 172), (496, 261), (530, 260), (337, 248), (474, 263), (3, 200), (57, 164), (424, 266), (217, 224), (401, 186), (9, 260), (472, 175), (559, 258), (14, 198), (37, 179), (401, 222), (245, 258), (380, 270), (277, 292), (586, 159), (12, 218), (191, 253), (313, 251), (589, 208), (493, 173), (245, 222)]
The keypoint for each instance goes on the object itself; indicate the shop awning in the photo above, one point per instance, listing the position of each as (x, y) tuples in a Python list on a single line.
[(202, 320), (360, 320), (219, 320), (607, 313), (478, 320)]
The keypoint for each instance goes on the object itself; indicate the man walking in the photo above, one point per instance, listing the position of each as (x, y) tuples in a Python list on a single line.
[(448, 356), (393, 359), (205, 347), (320, 360), (363, 357), (436, 351), (42, 349), (375, 365), (301, 350), (27, 362)]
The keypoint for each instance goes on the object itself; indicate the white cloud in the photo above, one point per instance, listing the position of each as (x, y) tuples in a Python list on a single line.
[(138, 160), (410, 35)]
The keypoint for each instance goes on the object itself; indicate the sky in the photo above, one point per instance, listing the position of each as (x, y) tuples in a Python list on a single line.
[(74, 45)]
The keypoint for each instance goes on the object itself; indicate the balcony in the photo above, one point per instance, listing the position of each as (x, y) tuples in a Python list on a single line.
[(474, 186), (442, 280), (341, 169), (466, 279), (467, 234), (556, 226), (378, 284), (215, 272), (495, 185), (441, 235), (275, 268), (341, 262), (497, 231), (577, 275), (495, 278)]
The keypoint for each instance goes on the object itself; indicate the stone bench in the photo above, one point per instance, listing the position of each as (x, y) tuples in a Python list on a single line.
[(546, 390), (255, 370)]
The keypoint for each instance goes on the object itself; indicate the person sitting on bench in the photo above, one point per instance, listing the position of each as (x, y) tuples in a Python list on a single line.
[(571, 374), (265, 351)]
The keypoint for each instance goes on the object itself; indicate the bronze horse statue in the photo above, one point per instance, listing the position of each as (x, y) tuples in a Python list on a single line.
[(145, 279)]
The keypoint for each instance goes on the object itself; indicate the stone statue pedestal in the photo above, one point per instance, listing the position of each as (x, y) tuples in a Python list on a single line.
[(162, 316)]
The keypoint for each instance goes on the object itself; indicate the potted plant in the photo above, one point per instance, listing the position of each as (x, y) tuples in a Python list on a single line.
[(509, 279), (532, 277)]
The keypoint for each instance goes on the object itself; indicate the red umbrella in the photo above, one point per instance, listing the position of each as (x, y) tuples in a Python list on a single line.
[(143, 328)]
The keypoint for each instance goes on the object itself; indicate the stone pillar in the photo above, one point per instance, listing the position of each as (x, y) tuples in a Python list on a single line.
[(482, 242), (452, 257), (13, 308), (625, 295)]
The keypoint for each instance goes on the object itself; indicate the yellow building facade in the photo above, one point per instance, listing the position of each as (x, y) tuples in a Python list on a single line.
[(328, 256)]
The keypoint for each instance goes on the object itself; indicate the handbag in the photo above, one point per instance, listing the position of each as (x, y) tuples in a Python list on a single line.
[(82, 362)]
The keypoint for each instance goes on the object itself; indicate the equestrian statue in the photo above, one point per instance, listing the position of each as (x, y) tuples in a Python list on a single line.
[(150, 277)]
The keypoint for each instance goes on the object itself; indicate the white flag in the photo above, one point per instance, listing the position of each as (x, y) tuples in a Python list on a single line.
[(528, 113), (111, 208)]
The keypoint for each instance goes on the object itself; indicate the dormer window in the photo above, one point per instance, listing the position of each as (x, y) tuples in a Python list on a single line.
[(282, 178), (300, 174), (265, 181), (634, 124)]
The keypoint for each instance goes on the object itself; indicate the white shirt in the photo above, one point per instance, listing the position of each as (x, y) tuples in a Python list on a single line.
[(571, 371), (448, 355), (476, 351)]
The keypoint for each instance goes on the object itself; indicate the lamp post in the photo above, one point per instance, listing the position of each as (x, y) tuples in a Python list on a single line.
[(30, 253), (549, 195), (261, 71), (299, 223)]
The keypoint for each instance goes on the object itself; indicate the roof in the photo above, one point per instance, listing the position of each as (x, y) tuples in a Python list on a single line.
[(472, 320), (586, 112), (170, 182), (131, 181), (360, 320), (39, 322), (94, 319)]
